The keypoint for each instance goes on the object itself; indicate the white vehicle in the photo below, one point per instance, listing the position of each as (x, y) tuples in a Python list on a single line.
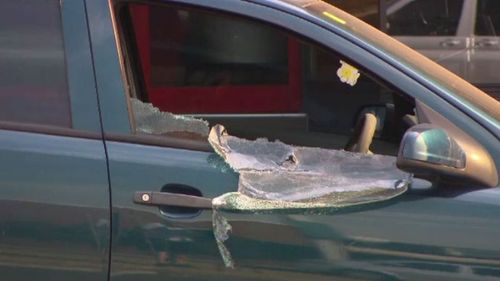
[(462, 35)]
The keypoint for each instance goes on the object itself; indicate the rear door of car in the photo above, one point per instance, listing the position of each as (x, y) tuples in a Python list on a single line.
[(485, 59), (54, 200), (425, 233), (438, 29)]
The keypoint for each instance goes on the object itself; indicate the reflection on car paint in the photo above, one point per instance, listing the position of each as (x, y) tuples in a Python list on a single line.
[(335, 18)]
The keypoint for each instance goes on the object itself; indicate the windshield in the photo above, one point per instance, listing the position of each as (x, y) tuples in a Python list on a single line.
[(426, 67)]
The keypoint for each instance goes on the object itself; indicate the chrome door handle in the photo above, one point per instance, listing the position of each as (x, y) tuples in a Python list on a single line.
[(172, 199), (449, 43), (487, 43)]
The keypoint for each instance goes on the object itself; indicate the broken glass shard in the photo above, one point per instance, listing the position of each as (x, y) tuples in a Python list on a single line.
[(151, 120), (321, 177), (276, 177)]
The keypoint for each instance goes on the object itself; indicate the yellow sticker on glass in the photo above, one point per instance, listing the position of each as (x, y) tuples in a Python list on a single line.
[(348, 74)]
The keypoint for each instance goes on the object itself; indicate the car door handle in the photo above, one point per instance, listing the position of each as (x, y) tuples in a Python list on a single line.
[(449, 43), (487, 43), (172, 199)]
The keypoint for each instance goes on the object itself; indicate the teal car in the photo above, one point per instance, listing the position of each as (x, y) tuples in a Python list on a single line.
[(107, 174)]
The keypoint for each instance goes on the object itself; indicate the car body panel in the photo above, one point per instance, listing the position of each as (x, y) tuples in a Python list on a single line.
[(485, 61), (54, 207), (426, 233), (107, 68)]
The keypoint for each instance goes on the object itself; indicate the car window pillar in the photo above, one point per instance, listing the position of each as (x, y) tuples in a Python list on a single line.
[(81, 82), (110, 83)]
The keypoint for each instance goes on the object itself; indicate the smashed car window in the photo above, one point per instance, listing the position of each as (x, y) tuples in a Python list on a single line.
[(150, 120), (273, 84), (291, 117), (278, 177), (274, 176), (304, 177)]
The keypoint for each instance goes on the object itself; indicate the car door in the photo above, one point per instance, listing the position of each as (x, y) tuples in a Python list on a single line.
[(423, 234), (438, 29), (484, 59), (54, 199)]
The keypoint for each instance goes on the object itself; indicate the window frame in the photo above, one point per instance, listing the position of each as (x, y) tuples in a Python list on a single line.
[(323, 33), (131, 63)]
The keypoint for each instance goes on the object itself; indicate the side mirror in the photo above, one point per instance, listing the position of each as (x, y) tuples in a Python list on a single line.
[(435, 154)]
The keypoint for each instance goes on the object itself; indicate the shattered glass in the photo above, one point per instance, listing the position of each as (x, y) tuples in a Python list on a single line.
[(221, 233), (150, 120), (275, 175)]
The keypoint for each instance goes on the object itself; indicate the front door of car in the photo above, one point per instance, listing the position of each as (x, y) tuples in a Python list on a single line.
[(425, 233), (438, 29)]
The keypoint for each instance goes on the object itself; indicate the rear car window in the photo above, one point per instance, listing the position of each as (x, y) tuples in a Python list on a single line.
[(488, 18), (424, 17), (33, 82)]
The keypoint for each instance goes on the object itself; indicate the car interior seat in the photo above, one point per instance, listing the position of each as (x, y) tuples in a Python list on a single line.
[(363, 134)]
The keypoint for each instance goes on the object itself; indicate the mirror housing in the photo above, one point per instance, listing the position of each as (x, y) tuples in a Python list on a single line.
[(435, 154)]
